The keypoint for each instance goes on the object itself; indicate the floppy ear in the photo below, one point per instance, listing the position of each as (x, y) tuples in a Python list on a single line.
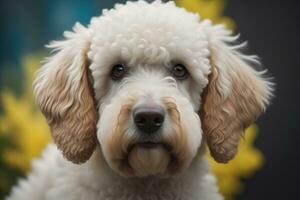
[(65, 96), (235, 96)]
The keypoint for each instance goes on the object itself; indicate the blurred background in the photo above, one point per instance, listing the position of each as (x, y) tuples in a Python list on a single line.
[(268, 161)]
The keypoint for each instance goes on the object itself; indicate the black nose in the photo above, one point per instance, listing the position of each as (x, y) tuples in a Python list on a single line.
[(148, 119)]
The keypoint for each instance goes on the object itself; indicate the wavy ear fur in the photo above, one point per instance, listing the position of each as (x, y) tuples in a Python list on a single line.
[(235, 96), (65, 96)]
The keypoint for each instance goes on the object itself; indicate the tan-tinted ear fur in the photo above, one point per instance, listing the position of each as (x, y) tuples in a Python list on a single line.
[(235, 96), (65, 96)]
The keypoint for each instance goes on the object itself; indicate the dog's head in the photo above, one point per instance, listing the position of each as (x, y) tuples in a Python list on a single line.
[(146, 82)]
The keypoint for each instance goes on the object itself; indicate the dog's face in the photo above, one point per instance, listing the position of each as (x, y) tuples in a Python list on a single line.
[(146, 82)]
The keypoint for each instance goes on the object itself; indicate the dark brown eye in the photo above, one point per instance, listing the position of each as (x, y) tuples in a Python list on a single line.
[(118, 72), (179, 71)]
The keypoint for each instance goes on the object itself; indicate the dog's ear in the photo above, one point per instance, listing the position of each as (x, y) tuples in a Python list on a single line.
[(234, 97), (65, 95)]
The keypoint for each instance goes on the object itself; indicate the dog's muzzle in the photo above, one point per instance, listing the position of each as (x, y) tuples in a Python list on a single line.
[(147, 138)]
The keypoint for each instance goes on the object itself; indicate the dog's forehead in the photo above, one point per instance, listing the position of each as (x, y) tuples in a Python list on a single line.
[(142, 16), (156, 32), (157, 23)]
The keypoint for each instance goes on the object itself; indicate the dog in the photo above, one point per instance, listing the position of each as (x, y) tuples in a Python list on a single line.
[(133, 99)]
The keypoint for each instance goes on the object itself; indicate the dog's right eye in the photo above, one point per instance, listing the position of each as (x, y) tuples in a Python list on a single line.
[(180, 72), (118, 72)]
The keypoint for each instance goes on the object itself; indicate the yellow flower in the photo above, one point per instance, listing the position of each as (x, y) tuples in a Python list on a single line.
[(247, 161), (212, 9), (22, 123)]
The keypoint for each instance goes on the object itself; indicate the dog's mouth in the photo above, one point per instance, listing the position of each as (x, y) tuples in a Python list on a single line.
[(150, 145)]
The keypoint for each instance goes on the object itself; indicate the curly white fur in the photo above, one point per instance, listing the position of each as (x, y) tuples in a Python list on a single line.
[(53, 177), (90, 114)]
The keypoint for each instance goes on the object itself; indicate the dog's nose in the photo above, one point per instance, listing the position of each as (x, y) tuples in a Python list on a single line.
[(148, 119)]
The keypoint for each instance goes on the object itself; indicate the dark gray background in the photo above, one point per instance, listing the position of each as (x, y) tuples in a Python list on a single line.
[(272, 30)]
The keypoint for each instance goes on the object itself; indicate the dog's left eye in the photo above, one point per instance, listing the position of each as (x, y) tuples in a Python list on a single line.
[(118, 71), (179, 71)]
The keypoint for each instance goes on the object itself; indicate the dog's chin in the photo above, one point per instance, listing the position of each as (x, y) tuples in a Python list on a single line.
[(144, 159), (149, 159)]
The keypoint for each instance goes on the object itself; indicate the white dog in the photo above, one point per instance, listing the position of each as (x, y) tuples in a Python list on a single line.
[(133, 99)]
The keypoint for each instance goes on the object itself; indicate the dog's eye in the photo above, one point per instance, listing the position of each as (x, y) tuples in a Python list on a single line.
[(118, 71), (179, 71)]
